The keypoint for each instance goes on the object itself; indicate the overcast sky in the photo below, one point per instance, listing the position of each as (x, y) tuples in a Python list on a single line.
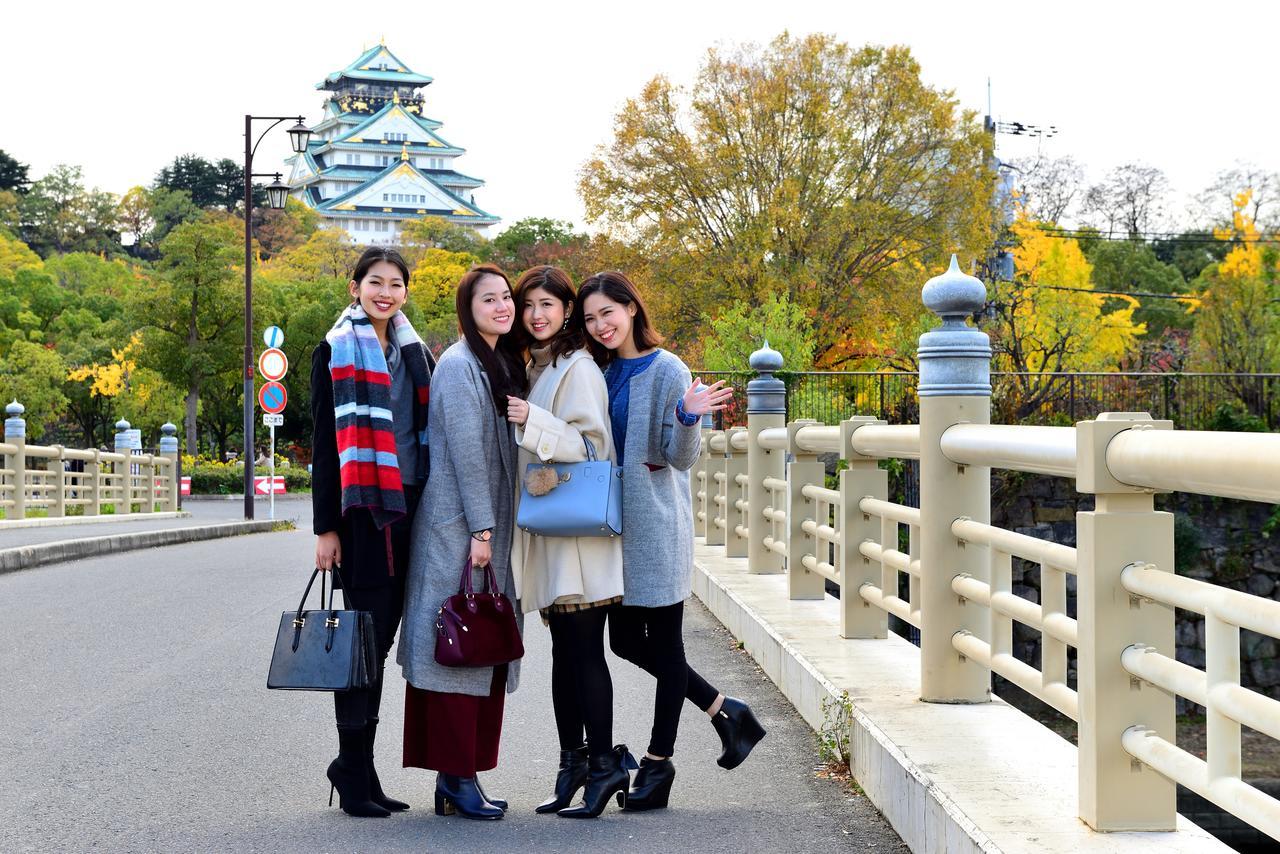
[(530, 88)]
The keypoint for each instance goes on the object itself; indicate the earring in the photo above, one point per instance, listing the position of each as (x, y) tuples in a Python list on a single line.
[(564, 325)]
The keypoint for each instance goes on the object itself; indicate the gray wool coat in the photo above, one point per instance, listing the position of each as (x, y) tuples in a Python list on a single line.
[(657, 511), (471, 486)]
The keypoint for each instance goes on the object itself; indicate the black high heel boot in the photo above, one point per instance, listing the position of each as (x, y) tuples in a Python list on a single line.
[(571, 777), (739, 731), (376, 794), (349, 774), (608, 776), (460, 795), (497, 802), (652, 787)]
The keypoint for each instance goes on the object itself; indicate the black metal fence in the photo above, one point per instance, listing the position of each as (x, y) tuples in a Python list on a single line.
[(1192, 401)]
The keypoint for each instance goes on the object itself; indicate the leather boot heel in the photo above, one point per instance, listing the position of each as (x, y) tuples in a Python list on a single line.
[(461, 796), (608, 777), (571, 777), (652, 789), (443, 807), (739, 732)]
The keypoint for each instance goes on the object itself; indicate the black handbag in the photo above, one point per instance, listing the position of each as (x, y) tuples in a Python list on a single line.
[(325, 649)]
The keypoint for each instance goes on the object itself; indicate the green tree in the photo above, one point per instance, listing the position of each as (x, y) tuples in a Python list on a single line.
[(1132, 266), (60, 215), (191, 316), (13, 174), (741, 329), (135, 218), (169, 209), (32, 374), (808, 167)]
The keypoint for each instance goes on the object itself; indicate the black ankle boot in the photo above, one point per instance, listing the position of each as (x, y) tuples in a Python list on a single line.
[(652, 786), (497, 802), (608, 776), (375, 786), (349, 774), (571, 777), (739, 731), (460, 795)]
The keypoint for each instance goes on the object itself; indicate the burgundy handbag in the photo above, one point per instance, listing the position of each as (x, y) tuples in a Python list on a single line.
[(477, 629)]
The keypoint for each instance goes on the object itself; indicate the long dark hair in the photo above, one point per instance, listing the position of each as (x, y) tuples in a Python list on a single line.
[(503, 364), (618, 288), (372, 256), (557, 283)]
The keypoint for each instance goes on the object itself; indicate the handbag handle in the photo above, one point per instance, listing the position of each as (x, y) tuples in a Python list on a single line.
[(465, 586), (591, 449)]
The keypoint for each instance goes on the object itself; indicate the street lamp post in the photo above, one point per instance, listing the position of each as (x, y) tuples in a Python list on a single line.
[(277, 192)]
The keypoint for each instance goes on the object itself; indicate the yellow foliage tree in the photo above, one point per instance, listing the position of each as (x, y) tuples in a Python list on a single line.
[(1048, 321), (1237, 328), (111, 378), (14, 255)]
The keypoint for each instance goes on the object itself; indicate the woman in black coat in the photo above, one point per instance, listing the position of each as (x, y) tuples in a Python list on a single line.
[(361, 521)]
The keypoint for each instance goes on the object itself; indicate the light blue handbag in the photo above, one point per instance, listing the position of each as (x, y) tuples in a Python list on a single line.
[(586, 500)]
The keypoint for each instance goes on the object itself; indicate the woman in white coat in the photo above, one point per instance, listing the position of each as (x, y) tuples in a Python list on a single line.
[(571, 581)]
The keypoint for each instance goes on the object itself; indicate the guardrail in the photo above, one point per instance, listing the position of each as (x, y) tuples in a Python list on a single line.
[(943, 568), (38, 476)]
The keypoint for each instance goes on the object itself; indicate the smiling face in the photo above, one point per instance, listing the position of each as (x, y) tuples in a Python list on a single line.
[(544, 315), (492, 306), (382, 291), (608, 322)]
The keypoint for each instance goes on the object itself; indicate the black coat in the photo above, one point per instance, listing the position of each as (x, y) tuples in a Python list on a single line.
[(365, 563)]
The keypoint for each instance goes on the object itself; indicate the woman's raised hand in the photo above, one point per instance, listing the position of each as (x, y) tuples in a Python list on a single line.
[(517, 410), (710, 398), (328, 550)]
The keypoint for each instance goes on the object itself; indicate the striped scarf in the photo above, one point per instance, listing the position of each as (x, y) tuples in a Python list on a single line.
[(369, 469)]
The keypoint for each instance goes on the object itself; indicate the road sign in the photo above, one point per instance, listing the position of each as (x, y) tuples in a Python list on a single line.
[(272, 397), (272, 419), (273, 364), (260, 484), (273, 336)]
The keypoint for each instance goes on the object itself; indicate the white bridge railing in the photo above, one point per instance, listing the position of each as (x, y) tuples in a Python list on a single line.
[(760, 492), (38, 477)]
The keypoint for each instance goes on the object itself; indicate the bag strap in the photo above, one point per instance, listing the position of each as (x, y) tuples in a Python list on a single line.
[(303, 603), (591, 449), (464, 583)]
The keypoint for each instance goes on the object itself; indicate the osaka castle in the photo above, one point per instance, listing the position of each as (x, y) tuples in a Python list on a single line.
[(376, 161)]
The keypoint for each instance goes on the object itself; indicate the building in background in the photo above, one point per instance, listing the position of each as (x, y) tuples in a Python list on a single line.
[(376, 161)]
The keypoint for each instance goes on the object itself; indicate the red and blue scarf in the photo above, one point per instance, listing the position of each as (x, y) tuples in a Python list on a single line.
[(369, 469)]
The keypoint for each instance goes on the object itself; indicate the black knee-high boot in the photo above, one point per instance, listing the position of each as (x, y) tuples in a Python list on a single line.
[(376, 794), (349, 774)]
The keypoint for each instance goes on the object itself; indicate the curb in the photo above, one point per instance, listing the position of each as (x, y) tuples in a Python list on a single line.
[(28, 557), (60, 521), (263, 499)]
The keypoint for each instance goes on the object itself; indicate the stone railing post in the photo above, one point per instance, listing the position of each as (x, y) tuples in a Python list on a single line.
[(862, 479), (124, 470), (169, 450), (57, 498), (715, 466), (1117, 793), (735, 466), (955, 388), (805, 468), (766, 408), (91, 484), (15, 433), (699, 487)]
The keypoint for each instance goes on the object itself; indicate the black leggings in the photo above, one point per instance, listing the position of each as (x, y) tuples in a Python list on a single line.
[(581, 688), (653, 639), (354, 709)]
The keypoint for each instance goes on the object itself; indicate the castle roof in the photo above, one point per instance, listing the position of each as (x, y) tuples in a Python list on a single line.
[(438, 200), (378, 65)]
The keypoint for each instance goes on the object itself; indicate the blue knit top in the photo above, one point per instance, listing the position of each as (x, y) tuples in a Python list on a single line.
[(617, 378)]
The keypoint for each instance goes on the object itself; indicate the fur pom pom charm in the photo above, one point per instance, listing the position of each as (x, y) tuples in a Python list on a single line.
[(541, 480)]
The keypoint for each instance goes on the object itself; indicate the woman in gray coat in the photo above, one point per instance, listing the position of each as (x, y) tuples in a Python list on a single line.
[(654, 409), (453, 715)]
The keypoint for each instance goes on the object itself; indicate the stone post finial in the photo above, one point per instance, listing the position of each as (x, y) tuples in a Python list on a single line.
[(122, 425), (955, 358), (15, 426), (766, 393), (169, 439)]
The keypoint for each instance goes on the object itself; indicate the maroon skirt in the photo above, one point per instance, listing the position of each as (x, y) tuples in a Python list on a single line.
[(454, 734)]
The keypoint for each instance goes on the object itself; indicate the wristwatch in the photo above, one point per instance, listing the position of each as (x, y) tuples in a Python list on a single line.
[(482, 536)]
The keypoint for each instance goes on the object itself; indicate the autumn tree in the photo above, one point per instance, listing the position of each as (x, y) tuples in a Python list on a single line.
[(191, 315), (1237, 328), (1047, 320), (807, 168), (1217, 202)]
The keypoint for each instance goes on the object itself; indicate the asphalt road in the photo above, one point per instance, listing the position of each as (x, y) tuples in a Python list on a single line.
[(136, 718)]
